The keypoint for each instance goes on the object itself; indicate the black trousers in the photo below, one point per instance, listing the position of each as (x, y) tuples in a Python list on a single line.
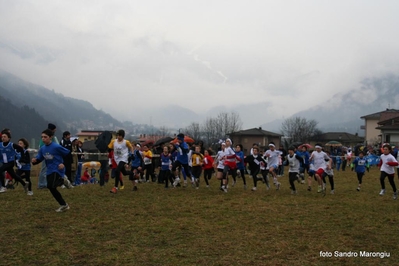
[(25, 174), (208, 175), (330, 179), (254, 174), (9, 167), (103, 170), (360, 177), (292, 176), (184, 165), (120, 169), (242, 172), (54, 180), (165, 176), (390, 179), (149, 171)]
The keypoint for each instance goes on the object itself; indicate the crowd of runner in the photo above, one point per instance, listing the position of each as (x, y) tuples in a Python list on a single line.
[(179, 165)]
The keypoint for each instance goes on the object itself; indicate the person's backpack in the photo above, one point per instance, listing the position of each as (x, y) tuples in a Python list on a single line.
[(103, 140)]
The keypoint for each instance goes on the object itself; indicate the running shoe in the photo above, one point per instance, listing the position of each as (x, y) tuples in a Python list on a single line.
[(62, 208), (177, 181), (67, 183), (114, 190)]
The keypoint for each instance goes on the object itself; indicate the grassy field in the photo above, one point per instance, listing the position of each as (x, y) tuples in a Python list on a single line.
[(185, 226)]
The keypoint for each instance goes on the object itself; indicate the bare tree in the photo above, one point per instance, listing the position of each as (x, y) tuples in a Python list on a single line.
[(193, 130), (164, 131), (299, 129), (223, 124)]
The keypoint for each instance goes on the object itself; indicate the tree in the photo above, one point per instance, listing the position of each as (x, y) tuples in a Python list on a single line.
[(217, 128), (298, 129), (164, 131), (193, 130)]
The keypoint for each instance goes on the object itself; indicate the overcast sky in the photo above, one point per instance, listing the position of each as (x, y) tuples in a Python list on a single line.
[(127, 56)]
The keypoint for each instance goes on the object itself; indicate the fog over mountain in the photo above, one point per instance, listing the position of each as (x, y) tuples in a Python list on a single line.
[(340, 113)]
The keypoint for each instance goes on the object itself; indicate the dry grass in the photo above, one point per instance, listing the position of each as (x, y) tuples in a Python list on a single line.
[(184, 226)]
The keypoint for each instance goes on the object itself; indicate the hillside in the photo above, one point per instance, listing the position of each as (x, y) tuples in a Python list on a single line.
[(68, 113), (343, 111), (23, 121)]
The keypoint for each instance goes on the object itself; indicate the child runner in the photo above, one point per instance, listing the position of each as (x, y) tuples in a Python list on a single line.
[(9, 152), (23, 164), (148, 168), (190, 165), (240, 164), (230, 165), (121, 149), (53, 154), (254, 162), (387, 164), (113, 165), (166, 162), (208, 167), (197, 159), (181, 158), (294, 162), (338, 161), (264, 173), (136, 166), (330, 173), (305, 165), (219, 165), (360, 165), (273, 156), (319, 159)]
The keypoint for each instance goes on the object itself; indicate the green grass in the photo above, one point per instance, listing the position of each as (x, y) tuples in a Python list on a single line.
[(184, 226)]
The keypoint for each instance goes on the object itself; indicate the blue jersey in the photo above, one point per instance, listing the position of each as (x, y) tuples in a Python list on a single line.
[(174, 156), (305, 156), (240, 165), (7, 153), (165, 161), (182, 151), (24, 162), (137, 161), (53, 155), (338, 159), (360, 164)]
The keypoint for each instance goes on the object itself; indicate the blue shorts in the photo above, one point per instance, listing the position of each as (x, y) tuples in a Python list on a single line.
[(274, 166)]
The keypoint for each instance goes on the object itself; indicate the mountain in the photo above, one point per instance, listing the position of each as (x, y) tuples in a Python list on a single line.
[(67, 113), (343, 111), (24, 121)]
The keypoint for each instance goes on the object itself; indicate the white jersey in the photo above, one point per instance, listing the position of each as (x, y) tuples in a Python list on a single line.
[(228, 151), (189, 155), (293, 163), (386, 168), (273, 157), (220, 159), (330, 171), (319, 159), (121, 151)]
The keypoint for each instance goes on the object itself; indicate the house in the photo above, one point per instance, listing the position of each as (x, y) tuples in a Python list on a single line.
[(88, 135), (254, 135), (346, 139), (372, 133), (389, 129)]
